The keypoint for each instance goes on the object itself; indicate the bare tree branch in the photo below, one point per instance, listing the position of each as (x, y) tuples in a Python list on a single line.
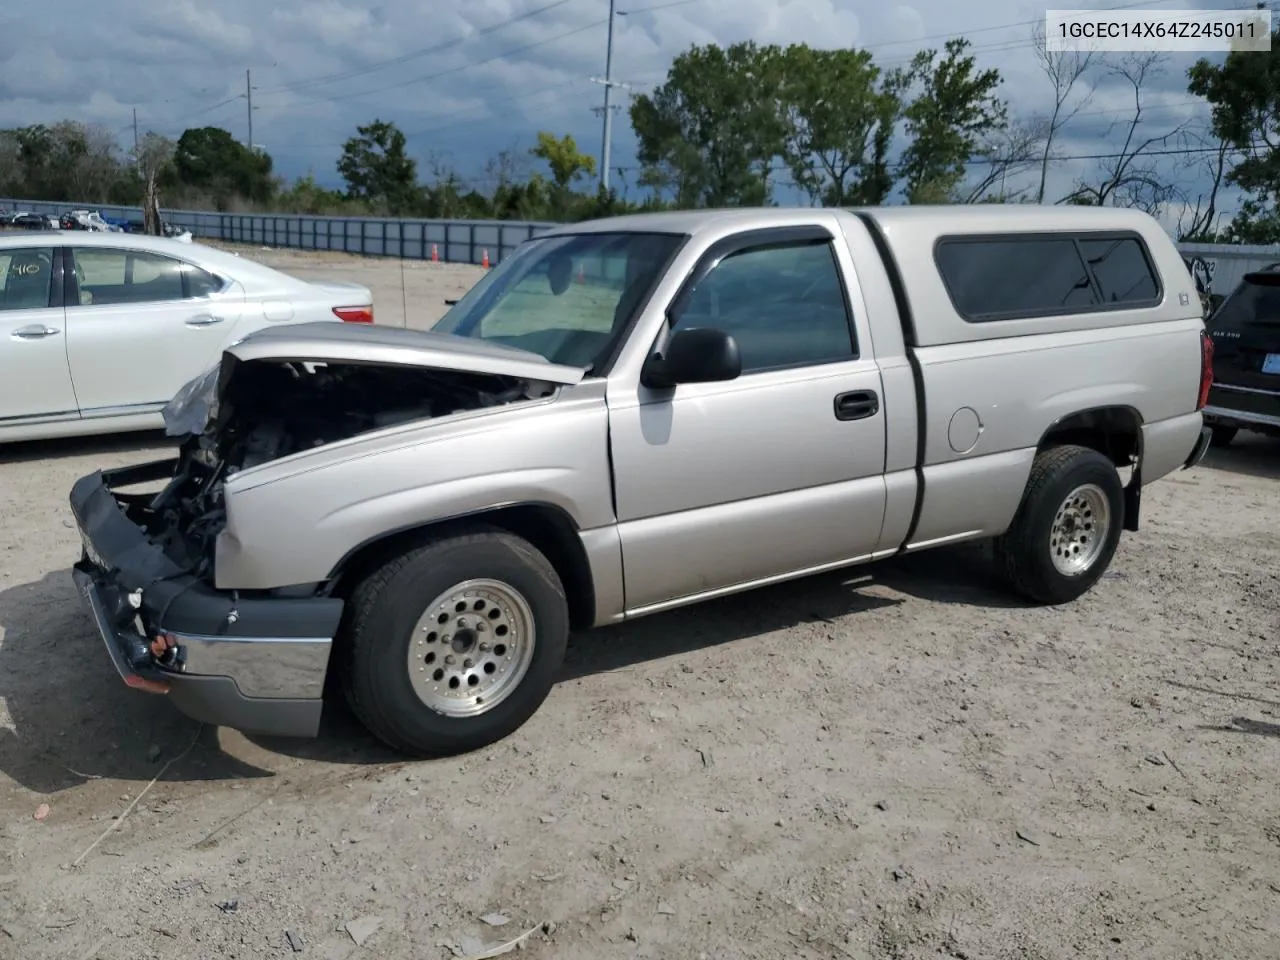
[(1131, 178), (1064, 69), (153, 156), (1013, 151), (1200, 222)]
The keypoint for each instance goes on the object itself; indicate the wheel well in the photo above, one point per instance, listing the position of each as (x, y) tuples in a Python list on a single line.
[(548, 528), (1115, 432)]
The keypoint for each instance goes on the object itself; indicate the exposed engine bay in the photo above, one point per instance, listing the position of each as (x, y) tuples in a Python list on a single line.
[(248, 414)]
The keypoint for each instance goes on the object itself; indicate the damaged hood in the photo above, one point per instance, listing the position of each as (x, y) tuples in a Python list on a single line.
[(362, 343), (191, 409)]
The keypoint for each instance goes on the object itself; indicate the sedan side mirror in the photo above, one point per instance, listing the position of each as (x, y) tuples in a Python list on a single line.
[(693, 356)]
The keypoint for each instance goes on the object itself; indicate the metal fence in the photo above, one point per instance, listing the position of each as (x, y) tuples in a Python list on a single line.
[(452, 241), (1219, 266), (1223, 266)]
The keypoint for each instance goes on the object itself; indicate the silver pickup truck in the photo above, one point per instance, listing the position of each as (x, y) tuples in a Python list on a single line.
[(630, 415)]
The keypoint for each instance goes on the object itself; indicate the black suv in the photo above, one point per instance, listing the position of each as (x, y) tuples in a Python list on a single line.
[(1246, 359)]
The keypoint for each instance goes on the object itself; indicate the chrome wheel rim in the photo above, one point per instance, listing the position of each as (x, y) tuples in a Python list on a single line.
[(1080, 530), (471, 648)]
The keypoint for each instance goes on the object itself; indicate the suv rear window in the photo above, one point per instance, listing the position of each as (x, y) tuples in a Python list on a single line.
[(1252, 304), (1006, 278)]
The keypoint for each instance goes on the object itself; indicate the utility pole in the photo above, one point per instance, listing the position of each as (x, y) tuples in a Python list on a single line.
[(608, 113), (135, 135), (608, 109), (248, 93)]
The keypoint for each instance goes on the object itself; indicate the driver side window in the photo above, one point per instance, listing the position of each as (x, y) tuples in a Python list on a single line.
[(784, 304)]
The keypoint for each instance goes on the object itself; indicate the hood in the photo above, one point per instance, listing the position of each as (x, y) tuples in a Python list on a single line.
[(196, 403), (364, 343)]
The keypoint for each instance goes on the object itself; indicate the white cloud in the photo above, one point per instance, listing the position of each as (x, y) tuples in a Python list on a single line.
[(458, 86)]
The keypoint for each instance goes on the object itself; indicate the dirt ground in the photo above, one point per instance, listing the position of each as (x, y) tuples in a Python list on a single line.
[(895, 762)]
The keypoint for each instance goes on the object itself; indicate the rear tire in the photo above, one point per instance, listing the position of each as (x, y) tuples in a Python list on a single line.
[(1067, 527), (1222, 435), (455, 644)]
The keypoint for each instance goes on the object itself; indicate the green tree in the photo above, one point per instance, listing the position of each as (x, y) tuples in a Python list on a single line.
[(377, 167), (1244, 93), (12, 183), (840, 112), (955, 109), (210, 160), (305, 195), (710, 133), (86, 158), (66, 161), (568, 164)]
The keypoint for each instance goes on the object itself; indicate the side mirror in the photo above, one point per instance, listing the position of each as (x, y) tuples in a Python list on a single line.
[(693, 356)]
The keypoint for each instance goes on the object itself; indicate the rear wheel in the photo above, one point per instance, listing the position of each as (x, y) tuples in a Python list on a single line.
[(1067, 527), (1222, 435), (456, 644)]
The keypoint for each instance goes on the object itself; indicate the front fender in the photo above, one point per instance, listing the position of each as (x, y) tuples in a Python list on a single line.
[(297, 528)]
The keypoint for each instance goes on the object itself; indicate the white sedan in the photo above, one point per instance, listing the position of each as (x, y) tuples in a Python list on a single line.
[(98, 331)]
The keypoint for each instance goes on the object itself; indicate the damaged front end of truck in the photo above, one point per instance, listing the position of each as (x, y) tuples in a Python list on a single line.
[(256, 660)]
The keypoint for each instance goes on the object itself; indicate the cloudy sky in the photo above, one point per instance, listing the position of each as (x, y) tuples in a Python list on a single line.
[(467, 78)]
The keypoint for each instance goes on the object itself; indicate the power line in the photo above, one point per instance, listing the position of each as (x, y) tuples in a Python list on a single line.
[(296, 86), (1180, 152), (660, 6), (416, 54), (466, 66), (974, 48), (450, 128), (481, 120), (1060, 158), (220, 103), (1003, 26)]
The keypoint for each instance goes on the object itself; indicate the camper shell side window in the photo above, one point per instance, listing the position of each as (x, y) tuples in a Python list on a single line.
[(1014, 276)]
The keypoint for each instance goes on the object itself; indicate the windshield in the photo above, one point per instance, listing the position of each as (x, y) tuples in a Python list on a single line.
[(566, 298)]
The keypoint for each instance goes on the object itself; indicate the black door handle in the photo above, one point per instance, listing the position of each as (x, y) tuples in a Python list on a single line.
[(857, 405)]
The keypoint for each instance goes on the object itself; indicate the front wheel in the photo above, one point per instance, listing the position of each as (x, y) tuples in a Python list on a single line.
[(1067, 527), (456, 644)]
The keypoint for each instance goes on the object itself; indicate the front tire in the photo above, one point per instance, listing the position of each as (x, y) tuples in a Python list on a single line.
[(456, 644), (1067, 527)]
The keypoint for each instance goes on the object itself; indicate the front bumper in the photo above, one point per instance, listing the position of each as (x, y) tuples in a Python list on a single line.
[(254, 663)]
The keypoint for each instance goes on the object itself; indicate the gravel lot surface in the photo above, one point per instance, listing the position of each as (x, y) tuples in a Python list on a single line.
[(895, 762)]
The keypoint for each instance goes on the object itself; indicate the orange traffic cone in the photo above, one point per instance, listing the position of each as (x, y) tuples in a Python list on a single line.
[(435, 254), (484, 260)]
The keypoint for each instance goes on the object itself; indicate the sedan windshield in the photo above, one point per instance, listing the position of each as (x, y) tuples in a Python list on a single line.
[(567, 298)]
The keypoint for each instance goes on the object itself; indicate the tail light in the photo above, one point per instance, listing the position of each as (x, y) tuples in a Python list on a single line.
[(354, 314), (1206, 369)]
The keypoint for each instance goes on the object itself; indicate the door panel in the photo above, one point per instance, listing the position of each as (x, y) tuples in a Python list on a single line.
[(135, 336), (729, 483), (34, 379), (776, 472)]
